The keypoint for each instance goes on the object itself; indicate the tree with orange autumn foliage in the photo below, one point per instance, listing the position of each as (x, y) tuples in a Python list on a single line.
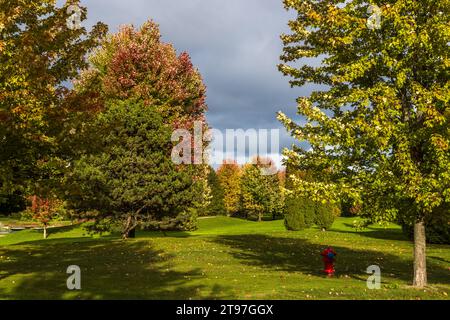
[(229, 174)]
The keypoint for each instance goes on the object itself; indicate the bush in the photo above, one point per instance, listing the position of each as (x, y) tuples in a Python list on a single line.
[(360, 225), (325, 215), (294, 220), (299, 213)]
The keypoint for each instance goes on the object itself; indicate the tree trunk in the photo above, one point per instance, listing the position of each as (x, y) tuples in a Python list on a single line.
[(129, 230), (420, 262), (132, 233), (129, 233), (45, 232)]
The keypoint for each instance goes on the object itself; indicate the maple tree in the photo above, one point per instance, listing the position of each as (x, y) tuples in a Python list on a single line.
[(44, 210), (38, 55), (229, 174), (378, 127), (260, 192), (135, 63)]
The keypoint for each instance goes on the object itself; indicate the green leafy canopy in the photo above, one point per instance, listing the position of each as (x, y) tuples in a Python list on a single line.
[(379, 127)]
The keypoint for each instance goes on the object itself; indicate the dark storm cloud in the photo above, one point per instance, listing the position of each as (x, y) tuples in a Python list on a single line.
[(235, 44)]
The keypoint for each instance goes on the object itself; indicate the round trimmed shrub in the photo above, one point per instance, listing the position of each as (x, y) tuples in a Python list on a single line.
[(324, 215), (299, 214)]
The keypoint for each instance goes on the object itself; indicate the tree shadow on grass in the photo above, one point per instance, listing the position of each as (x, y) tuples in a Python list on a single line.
[(112, 269), (300, 255), (377, 233), (163, 234), (62, 229)]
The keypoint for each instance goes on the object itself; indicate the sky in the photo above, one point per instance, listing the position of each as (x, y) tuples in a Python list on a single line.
[(236, 46)]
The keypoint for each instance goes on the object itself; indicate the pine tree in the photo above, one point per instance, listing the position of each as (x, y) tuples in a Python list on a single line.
[(131, 180), (217, 204)]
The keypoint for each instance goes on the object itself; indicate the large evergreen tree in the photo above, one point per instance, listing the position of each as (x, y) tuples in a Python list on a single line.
[(132, 180), (379, 126), (216, 206)]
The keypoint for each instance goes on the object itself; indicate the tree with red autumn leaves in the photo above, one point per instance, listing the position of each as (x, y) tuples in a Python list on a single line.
[(136, 64), (44, 210)]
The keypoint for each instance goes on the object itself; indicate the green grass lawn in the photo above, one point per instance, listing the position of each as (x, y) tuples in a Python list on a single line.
[(225, 259)]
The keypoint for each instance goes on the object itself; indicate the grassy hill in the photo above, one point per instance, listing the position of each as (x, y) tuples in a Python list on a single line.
[(225, 258)]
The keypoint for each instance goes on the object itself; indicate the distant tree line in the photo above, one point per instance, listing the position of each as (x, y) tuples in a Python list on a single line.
[(245, 192)]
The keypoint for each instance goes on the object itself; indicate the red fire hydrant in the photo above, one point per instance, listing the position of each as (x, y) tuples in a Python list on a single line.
[(328, 256)]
